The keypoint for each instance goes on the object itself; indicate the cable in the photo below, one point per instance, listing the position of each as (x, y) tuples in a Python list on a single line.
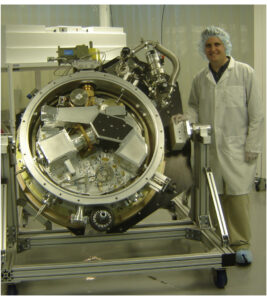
[(161, 33)]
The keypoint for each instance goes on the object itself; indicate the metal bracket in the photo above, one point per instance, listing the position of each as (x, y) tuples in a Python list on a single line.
[(193, 234), (228, 259), (204, 221), (6, 276), (11, 235), (202, 132), (23, 244), (159, 182)]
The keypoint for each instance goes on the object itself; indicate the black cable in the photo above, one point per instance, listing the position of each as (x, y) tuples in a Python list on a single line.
[(161, 32)]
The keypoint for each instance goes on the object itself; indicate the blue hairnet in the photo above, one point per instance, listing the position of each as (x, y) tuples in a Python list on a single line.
[(218, 32)]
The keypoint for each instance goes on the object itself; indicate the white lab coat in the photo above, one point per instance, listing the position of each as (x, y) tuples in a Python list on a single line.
[(235, 111)]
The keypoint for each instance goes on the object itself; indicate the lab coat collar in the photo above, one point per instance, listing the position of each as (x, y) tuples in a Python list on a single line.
[(232, 63), (225, 74)]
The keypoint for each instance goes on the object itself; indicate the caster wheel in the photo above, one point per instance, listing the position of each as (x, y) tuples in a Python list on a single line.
[(12, 289), (220, 278)]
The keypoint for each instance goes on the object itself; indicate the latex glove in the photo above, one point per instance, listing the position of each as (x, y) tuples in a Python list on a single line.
[(179, 118), (250, 156)]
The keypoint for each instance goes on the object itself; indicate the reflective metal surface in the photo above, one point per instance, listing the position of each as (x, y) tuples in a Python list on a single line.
[(104, 153)]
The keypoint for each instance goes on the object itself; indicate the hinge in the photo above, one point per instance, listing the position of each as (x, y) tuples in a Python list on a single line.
[(193, 234), (204, 221), (23, 244), (11, 235)]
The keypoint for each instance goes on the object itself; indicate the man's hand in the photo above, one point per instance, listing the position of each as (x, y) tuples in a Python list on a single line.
[(251, 156)]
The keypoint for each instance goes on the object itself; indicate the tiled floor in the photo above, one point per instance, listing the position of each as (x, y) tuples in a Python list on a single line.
[(241, 280)]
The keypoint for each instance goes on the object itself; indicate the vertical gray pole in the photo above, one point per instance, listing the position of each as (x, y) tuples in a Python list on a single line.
[(104, 15), (12, 113)]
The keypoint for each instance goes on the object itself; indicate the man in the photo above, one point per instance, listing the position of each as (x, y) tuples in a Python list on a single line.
[(225, 95)]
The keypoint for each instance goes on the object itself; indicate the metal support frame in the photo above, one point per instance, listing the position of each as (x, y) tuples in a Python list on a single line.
[(204, 184), (4, 222), (8, 203), (219, 254), (218, 208), (215, 258), (200, 195)]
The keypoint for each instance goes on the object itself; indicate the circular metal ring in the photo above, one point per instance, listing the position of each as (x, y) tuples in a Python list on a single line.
[(111, 84)]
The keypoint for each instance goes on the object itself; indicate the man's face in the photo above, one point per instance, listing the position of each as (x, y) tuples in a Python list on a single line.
[(215, 50)]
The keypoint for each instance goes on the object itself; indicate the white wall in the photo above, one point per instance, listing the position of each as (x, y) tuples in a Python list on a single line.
[(260, 68), (178, 29), (50, 15), (181, 26)]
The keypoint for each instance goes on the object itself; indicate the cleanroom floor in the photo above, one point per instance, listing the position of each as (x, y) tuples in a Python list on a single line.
[(249, 280)]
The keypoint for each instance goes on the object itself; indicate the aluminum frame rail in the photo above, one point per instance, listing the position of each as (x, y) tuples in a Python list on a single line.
[(114, 267), (172, 231), (218, 208), (217, 257)]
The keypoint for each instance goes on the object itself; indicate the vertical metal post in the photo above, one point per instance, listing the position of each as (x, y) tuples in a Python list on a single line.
[(8, 172), (12, 112), (201, 138), (204, 191), (201, 192), (4, 221), (38, 84), (205, 187), (104, 15), (10, 212)]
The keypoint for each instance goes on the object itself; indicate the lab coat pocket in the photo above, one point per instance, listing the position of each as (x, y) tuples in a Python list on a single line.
[(234, 96), (235, 147)]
